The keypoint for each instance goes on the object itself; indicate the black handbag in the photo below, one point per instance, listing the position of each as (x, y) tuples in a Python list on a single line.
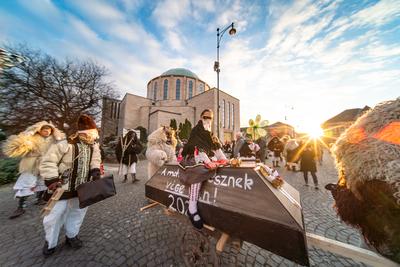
[(95, 191)]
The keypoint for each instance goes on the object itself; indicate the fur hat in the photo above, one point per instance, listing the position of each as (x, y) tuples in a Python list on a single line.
[(85, 122)]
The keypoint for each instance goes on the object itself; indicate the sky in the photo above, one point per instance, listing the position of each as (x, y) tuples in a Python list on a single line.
[(300, 62)]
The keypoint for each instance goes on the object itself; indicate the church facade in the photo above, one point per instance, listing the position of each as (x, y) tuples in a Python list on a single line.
[(176, 94)]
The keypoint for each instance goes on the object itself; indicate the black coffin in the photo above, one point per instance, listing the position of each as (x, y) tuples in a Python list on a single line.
[(243, 204)]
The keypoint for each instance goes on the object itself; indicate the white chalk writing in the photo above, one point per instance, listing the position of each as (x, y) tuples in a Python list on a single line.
[(170, 173), (175, 187), (245, 183)]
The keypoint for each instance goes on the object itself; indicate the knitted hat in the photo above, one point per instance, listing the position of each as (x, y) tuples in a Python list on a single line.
[(85, 122)]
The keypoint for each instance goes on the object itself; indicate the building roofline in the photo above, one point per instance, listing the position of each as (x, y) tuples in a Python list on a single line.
[(137, 96), (225, 93), (165, 111)]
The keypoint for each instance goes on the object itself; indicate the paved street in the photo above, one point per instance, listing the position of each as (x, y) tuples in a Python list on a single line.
[(116, 233)]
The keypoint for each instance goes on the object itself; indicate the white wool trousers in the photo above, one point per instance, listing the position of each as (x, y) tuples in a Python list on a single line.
[(128, 169), (65, 212)]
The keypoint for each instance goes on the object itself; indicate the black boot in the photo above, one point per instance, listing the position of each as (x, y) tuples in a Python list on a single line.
[(46, 251), (198, 224), (39, 198), (74, 242), (134, 179), (18, 212), (21, 208), (125, 178)]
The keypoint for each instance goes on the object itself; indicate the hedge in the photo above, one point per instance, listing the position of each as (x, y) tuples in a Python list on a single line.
[(8, 170)]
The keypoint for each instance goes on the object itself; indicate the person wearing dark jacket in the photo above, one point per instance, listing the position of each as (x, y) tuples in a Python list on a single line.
[(308, 164), (276, 146), (205, 148), (126, 151), (262, 153)]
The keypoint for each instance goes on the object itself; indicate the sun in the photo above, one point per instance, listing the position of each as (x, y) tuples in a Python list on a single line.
[(313, 131)]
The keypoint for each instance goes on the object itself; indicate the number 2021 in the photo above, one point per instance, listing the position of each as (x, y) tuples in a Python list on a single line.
[(181, 204)]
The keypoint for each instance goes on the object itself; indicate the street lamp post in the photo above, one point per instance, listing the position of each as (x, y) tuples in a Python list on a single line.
[(232, 31)]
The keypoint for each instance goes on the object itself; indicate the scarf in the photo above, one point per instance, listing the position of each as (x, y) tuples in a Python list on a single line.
[(201, 139)]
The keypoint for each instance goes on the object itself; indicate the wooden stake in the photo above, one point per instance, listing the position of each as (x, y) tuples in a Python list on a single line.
[(212, 229), (149, 206), (52, 201), (221, 242), (349, 251)]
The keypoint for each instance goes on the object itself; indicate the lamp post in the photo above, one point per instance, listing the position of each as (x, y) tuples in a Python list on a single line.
[(232, 31)]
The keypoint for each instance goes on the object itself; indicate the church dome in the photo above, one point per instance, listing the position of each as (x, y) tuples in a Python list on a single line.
[(180, 72)]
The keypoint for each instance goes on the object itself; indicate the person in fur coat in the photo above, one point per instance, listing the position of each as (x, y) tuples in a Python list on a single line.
[(30, 146), (67, 165), (367, 195), (126, 151), (161, 146)]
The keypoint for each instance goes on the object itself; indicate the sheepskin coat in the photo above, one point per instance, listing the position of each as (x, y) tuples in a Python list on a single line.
[(290, 150), (31, 146), (59, 158), (158, 151)]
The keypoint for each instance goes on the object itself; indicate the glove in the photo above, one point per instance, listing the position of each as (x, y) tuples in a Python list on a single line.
[(55, 185), (222, 162), (95, 173), (211, 165)]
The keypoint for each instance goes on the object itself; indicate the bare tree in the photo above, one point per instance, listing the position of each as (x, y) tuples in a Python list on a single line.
[(42, 88)]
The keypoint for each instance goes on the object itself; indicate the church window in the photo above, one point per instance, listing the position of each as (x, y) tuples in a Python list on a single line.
[(155, 91), (190, 89), (233, 116), (165, 89), (178, 89)]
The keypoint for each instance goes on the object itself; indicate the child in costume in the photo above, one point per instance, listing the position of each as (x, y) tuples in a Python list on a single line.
[(31, 145), (78, 159)]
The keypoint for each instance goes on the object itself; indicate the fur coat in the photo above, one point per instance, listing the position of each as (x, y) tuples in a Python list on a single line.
[(31, 146), (160, 149), (59, 159), (367, 195)]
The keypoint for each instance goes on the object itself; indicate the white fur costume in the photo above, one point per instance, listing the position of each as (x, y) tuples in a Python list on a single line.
[(158, 151)]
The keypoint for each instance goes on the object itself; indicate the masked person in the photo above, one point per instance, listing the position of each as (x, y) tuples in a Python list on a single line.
[(78, 160), (127, 149), (31, 145), (205, 148)]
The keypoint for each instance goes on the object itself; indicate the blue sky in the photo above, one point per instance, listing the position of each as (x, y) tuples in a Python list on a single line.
[(303, 60)]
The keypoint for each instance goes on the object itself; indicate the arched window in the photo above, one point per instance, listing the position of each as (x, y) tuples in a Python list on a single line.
[(165, 89), (233, 116), (228, 107), (178, 89), (155, 91), (190, 89), (201, 88)]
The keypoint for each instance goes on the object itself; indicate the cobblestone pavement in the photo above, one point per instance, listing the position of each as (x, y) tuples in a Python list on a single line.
[(116, 233)]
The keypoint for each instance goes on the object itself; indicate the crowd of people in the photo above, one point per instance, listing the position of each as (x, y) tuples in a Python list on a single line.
[(50, 160)]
